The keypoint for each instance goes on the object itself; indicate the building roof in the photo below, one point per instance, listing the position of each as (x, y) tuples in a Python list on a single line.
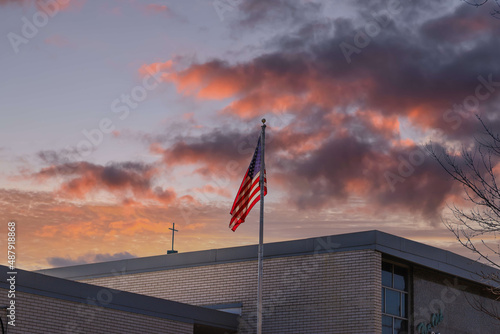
[(59, 288), (415, 252)]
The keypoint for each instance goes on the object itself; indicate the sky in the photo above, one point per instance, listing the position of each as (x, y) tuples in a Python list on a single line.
[(121, 117)]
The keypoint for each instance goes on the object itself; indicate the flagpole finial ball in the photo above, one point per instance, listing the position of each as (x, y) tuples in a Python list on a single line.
[(263, 121)]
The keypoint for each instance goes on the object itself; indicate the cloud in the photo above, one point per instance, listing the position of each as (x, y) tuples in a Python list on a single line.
[(159, 9), (343, 136), (317, 168), (253, 14), (88, 258), (66, 156), (210, 189), (219, 156), (81, 179), (336, 153), (74, 229), (137, 226), (347, 166), (155, 8), (430, 78), (211, 147), (87, 232), (44, 5)]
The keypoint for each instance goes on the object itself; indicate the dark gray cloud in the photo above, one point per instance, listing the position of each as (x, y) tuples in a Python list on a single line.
[(425, 73), (434, 71), (253, 13), (121, 178), (70, 157)]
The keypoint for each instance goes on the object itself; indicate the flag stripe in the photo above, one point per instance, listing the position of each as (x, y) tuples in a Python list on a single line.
[(240, 218), (249, 185), (236, 221), (244, 201), (239, 191), (248, 204)]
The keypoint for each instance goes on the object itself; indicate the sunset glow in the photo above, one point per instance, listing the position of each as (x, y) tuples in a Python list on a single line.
[(120, 118)]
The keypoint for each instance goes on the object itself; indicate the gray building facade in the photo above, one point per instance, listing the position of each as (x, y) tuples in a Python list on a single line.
[(366, 282)]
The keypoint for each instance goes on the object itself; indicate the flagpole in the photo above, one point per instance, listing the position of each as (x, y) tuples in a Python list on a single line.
[(261, 230)]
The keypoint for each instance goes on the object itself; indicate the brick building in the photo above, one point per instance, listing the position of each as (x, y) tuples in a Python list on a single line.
[(366, 282), (45, 304)]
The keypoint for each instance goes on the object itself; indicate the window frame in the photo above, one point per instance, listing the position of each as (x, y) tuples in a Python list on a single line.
[(407, 292)]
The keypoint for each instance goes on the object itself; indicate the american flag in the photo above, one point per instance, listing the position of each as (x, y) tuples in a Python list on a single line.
[(249, 193)]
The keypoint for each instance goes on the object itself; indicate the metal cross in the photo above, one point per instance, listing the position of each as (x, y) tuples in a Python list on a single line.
[(173, 231)]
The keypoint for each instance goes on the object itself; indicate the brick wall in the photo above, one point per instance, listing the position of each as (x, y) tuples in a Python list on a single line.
[(40, 314), (454, 298), (335, 292)]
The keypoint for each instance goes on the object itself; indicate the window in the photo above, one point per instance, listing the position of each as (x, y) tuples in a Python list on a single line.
[(394, 299)]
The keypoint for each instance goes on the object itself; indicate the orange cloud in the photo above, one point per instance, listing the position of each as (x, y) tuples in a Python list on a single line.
[(272, 83), (47, 6), (154, 68), (341, 132), (212, 80), (253, 104), (50, 227), (299, 144), (74, 231), (214, 190), (137, 226), (82, 179), (156, 148), (387, 125), (155, 9), (461, 26)]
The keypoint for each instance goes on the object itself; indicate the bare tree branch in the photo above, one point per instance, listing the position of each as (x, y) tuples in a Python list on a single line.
[(477, 228), (495, 12)]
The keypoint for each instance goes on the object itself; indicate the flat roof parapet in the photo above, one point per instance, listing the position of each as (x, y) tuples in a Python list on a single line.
[(412, 251), (68, 290)]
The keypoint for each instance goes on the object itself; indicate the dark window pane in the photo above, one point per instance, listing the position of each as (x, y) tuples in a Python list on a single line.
[(404, 305), (400, 278), (392, 302), (397, 325), (387, 274), (386, 325), (383, 300), (400, 326)]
